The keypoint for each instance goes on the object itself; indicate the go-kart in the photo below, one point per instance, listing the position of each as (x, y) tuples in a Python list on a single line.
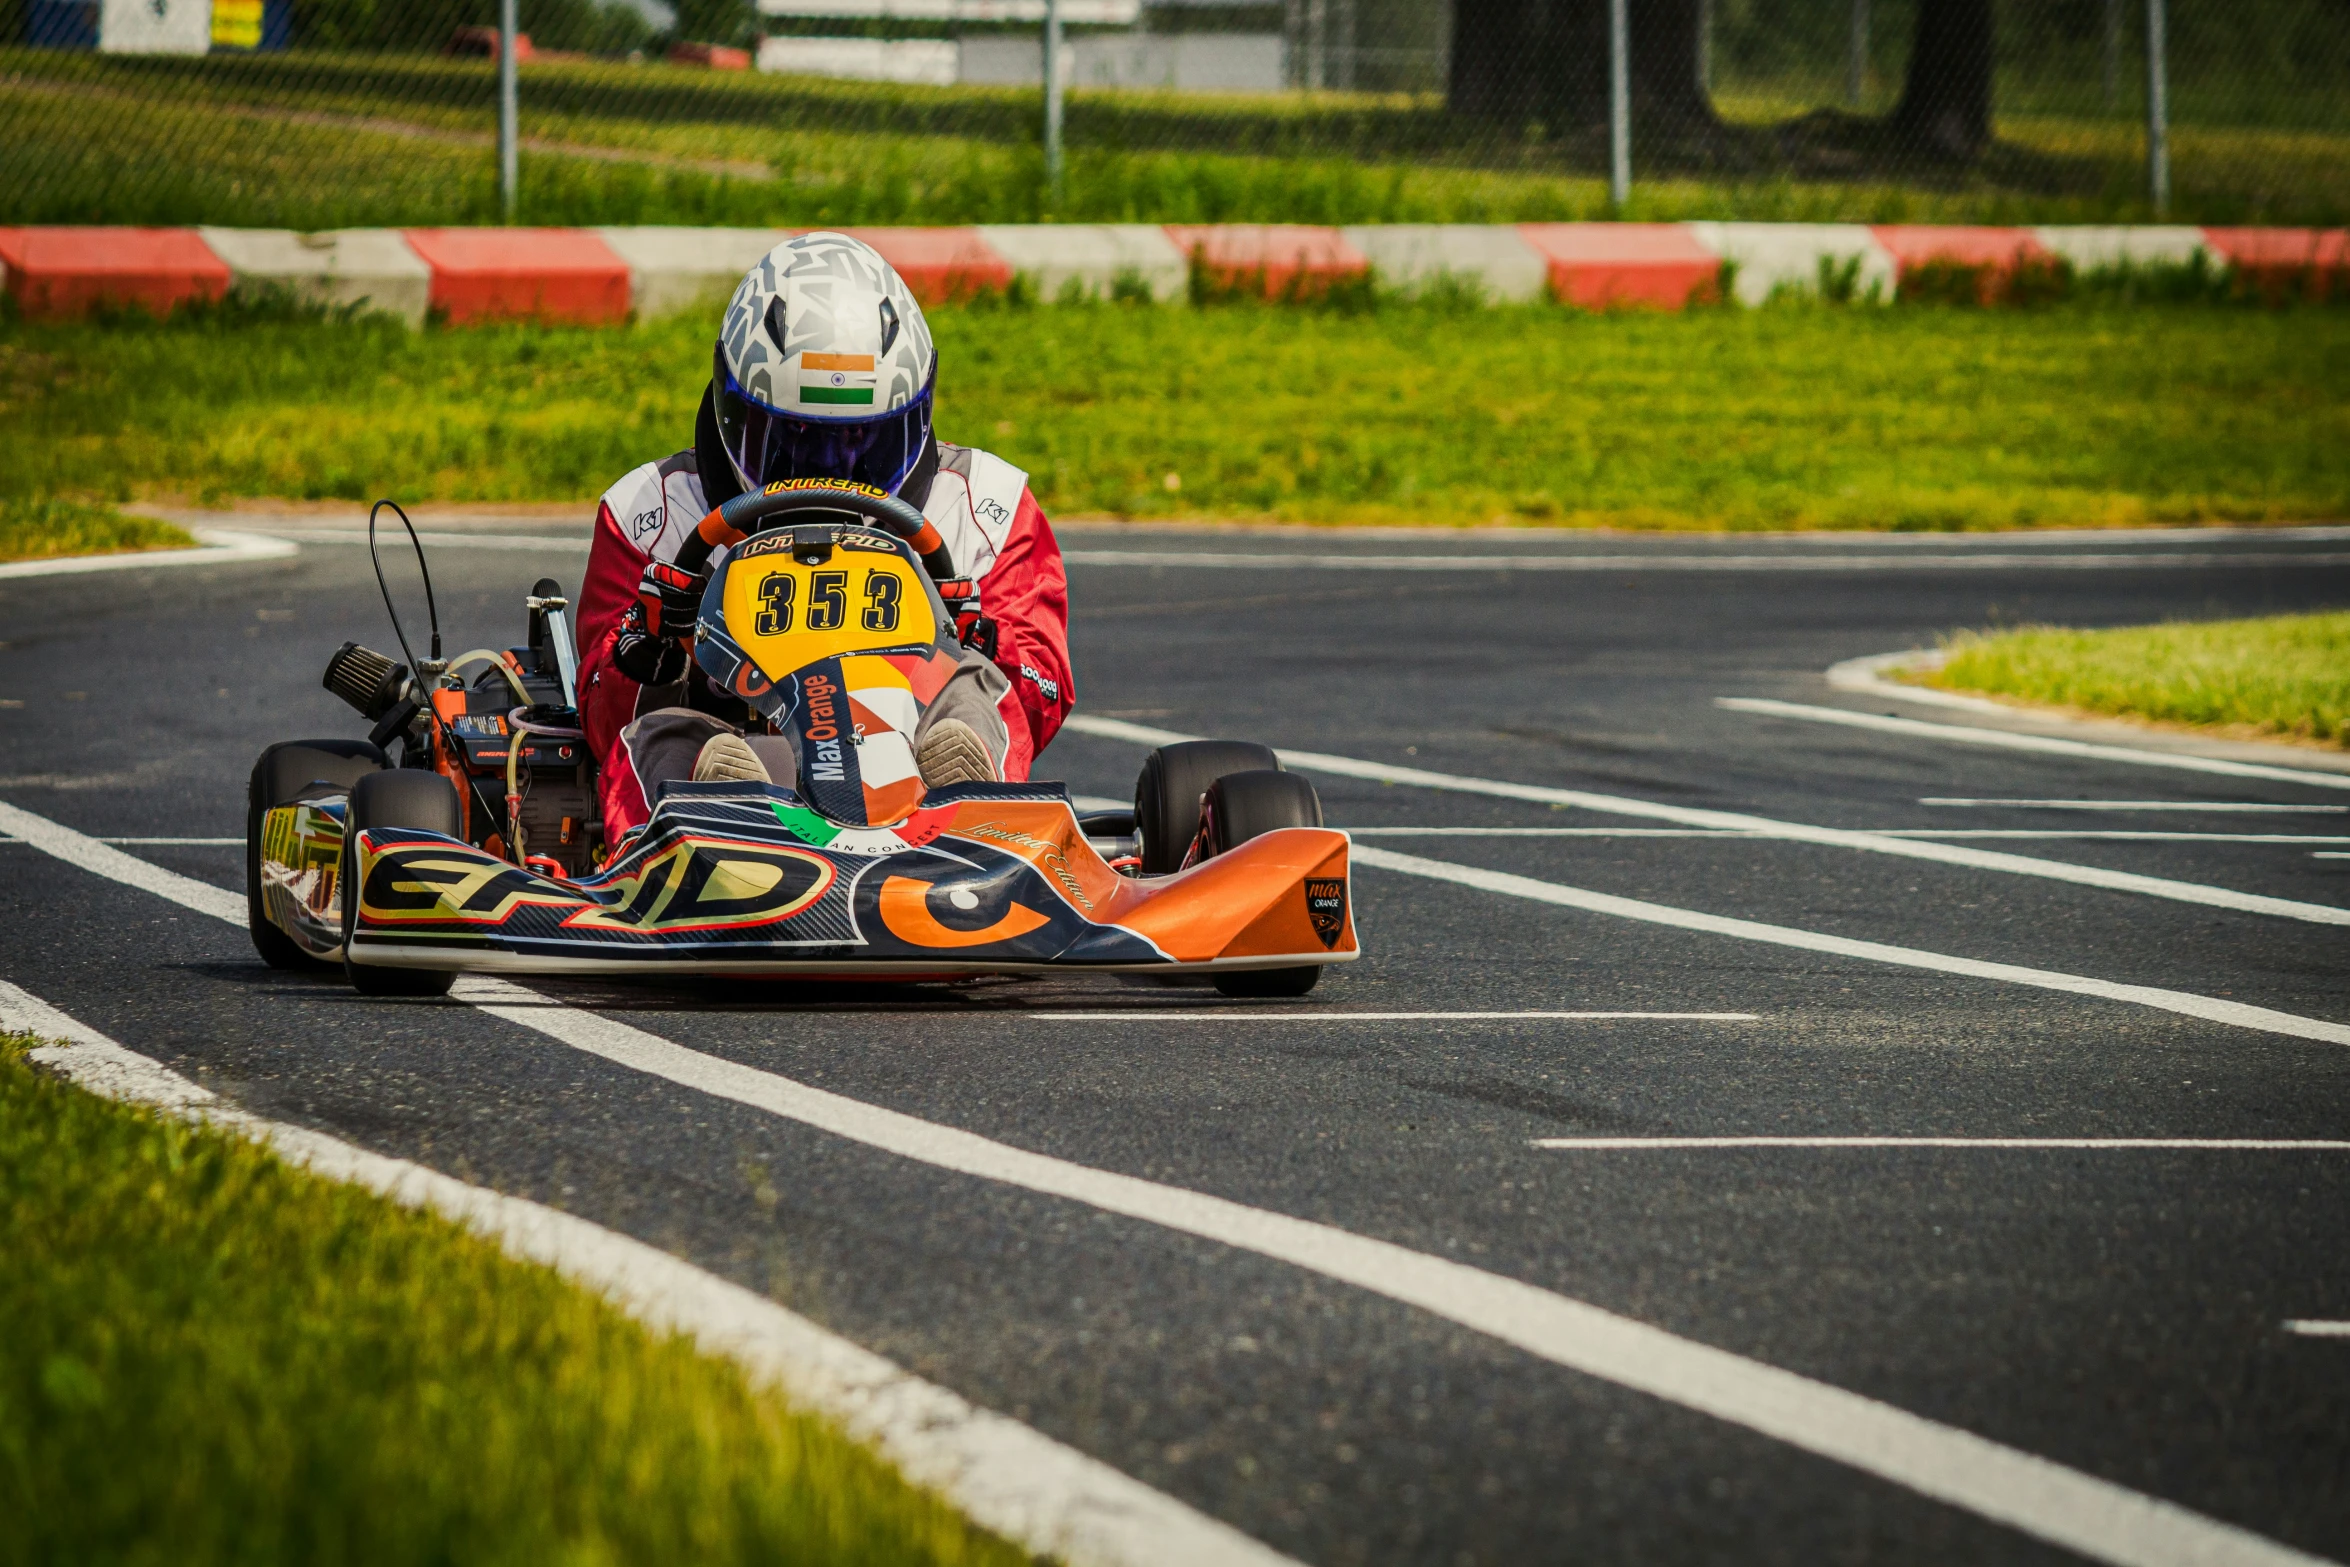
[(480, 849)]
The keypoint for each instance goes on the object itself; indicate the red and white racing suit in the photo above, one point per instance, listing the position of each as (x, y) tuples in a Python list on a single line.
[(993, 528)]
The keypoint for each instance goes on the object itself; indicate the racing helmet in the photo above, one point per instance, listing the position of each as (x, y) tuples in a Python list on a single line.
[(824, 367)]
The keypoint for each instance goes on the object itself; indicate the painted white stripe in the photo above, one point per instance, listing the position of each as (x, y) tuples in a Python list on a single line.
[(1314, 561), (1769, 827), (1051, 1499), (2212, 1009), (2032, 834), (2313, 1327), (445, 541), (207, 843), (2046, 745), (2080, 1512), (104, 860), (1265, 1015), (2093, 1517), (215, 547), (2214, 1144), (2237, 807)]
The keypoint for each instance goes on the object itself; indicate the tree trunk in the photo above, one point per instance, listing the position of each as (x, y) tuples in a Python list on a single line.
[(1945, 108), (1525, 61)]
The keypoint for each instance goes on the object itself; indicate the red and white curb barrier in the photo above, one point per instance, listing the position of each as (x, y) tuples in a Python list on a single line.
[(605, 275)]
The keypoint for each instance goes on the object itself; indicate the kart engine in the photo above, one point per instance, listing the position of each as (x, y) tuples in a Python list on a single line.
[(510, 741)]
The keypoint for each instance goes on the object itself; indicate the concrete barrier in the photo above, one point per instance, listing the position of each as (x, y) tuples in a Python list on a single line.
[(2316, 261), (52, 272), (2098, 249), (1281, 260), (939, 264), (602, 275), (566, 275), (373, 269), (1093, 256), (1768, 257), (1412, 256), (674, 269), (1602, 266)]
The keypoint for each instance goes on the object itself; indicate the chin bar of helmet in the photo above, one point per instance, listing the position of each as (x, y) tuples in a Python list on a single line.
[(755, 511)]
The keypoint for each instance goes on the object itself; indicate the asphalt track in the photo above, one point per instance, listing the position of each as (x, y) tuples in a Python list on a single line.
[(2126, 1312)]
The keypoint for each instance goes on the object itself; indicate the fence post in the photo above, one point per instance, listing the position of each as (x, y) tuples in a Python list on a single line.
[(1619, 106), (1856, 65), (509, 165), (2157, 108), (1052, 102)]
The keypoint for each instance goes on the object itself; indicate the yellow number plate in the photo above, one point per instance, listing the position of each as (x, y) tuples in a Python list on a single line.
[(786, 615)]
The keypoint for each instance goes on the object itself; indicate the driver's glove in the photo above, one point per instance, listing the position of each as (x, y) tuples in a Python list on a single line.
[(972, 628), (643, 657), (671, 599)]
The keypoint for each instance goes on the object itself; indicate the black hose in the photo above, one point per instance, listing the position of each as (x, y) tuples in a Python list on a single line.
[(431, 609)]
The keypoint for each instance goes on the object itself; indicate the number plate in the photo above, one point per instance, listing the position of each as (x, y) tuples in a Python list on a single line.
[(786, 615)]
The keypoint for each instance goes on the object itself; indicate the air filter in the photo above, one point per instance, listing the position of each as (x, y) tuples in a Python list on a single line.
[(366, 679)]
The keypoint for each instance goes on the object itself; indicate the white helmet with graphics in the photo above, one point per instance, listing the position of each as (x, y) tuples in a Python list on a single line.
[(824, 368)]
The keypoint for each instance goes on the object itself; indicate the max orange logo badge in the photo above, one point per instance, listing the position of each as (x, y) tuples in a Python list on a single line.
[(1326, 907), (905, 909)]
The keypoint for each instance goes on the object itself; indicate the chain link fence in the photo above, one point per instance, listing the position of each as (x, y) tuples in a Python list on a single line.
[(315, 114)]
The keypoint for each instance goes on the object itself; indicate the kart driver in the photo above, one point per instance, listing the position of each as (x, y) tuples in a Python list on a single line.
[(824, 369)]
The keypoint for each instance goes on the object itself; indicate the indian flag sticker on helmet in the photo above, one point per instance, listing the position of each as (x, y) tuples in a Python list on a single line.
[(837, 378)]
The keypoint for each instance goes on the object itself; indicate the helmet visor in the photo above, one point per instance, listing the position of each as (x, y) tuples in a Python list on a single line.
[(768, 446)]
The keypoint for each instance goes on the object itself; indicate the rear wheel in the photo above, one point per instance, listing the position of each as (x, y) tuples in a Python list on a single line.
[(1174, 780), (285, 773), (1241, 806), (420, 802)]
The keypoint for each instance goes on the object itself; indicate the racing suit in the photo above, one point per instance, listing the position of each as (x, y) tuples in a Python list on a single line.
[(993, 528)]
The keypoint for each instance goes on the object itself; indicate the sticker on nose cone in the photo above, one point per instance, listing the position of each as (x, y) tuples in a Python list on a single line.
[(1326, 907)]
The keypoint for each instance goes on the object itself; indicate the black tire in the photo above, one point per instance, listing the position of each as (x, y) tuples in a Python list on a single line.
[(422, 802), (283, 772), (1175, 778), (1241, 806)]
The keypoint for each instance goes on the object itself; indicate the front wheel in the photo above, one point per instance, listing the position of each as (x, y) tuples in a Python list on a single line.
[(1241, 806), (420, 802), (287, 772)]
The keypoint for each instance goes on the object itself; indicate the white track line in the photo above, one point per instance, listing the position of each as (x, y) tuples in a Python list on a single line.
[(2245, 807), (2315, 1327), (104, 860), (216, 843), (2047, 745), (1312, 561), (444, 541), (215, 547), (1051, 1499), (2027, 1493), (2212, 1009), (2100, 1520), (2213, 1144), (1769, 827), (1271, 1015), (2014, 833)]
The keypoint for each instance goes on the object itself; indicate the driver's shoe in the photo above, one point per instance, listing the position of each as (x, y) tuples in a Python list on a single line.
[(953, 753), (729, 759)]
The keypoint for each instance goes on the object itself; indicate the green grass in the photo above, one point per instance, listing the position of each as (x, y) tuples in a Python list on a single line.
[(212, 1357), (34, 528), (224, 141), (2279, 675), (1908, 417)]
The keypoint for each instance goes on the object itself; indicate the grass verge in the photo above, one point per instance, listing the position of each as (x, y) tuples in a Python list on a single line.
[(1917, 417), (38, 527), (2285, 675), (213, 1357)]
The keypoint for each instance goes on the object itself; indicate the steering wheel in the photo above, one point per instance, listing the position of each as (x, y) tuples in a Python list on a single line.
[(757, 511)]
